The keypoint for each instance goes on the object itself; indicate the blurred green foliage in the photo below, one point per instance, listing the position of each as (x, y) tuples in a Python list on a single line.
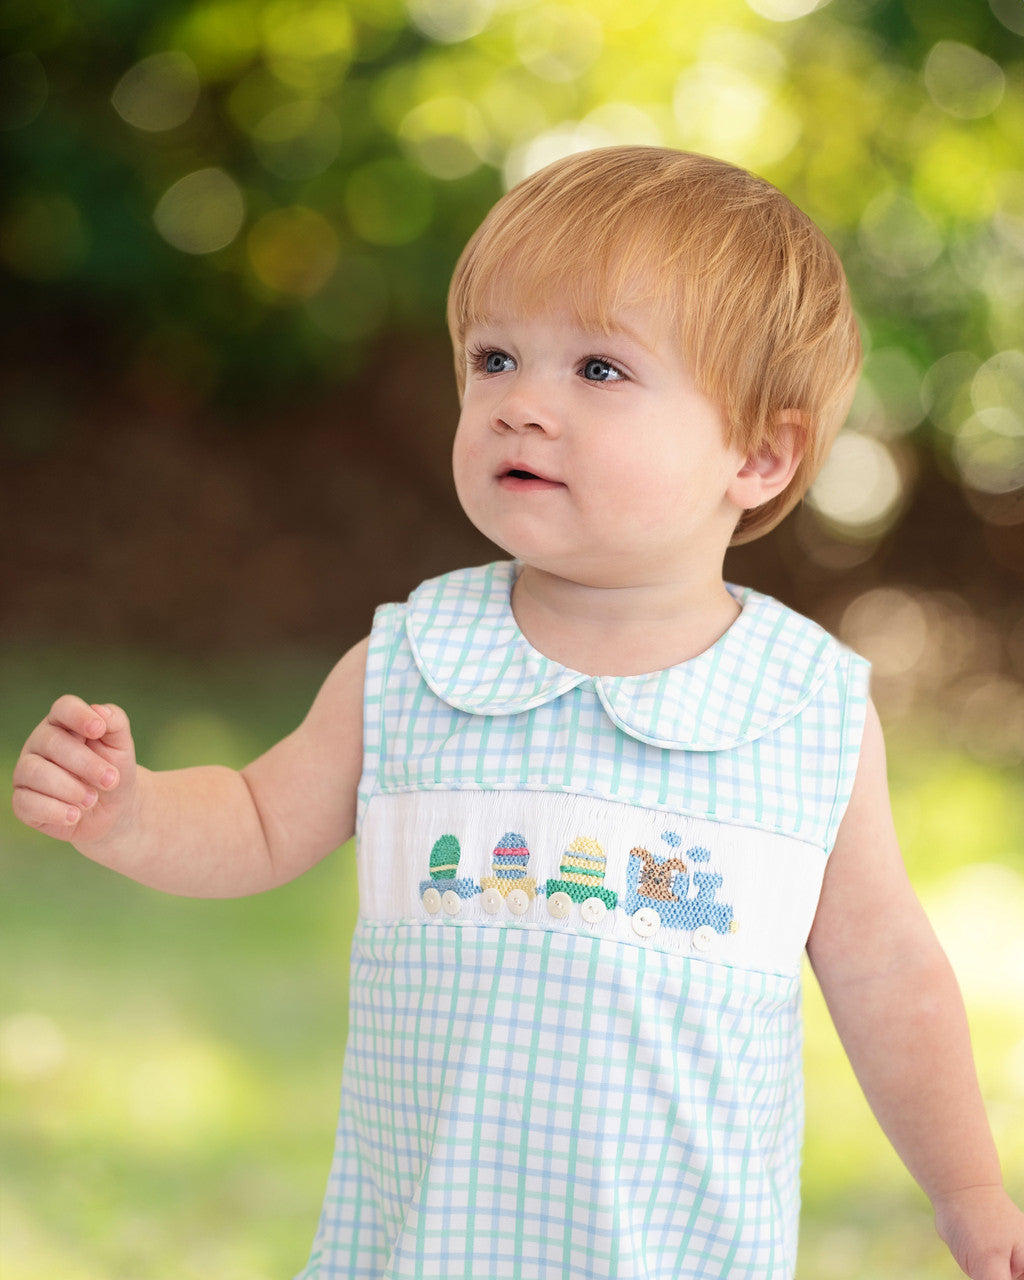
[(251, 190), (169, 1069), (243, 197)]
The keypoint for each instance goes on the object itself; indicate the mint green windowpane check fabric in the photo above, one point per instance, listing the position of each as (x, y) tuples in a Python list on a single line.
[(763, 729), (532, 1104), (522, 1102)]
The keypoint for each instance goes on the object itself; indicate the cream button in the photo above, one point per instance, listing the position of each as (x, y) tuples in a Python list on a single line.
[(490, 900), (703, 938), (593, 910), (432, 901), (559, 905), (646, 921), (451, 902), (518, 902)]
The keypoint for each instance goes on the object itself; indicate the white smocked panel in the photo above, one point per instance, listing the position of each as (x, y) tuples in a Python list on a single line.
[(542, 860)]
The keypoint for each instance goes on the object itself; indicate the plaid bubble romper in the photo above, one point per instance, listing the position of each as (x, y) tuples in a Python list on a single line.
[(575, 1035)]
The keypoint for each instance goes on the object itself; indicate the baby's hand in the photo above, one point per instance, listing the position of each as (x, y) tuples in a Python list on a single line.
[(984, 1230), (75, 778)]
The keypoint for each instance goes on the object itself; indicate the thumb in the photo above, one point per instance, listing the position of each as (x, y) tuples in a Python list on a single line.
[(117, 734)]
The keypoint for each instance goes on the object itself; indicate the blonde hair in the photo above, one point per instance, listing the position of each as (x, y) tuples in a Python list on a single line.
[(753, 288)]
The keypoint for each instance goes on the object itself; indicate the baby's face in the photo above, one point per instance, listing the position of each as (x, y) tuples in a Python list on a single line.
[(591, 455)]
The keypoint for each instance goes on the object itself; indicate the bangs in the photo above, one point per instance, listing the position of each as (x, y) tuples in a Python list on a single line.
[(595, 278), (563, 241)]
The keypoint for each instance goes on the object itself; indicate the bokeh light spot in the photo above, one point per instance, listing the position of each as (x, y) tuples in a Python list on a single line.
[(1009, 215), (859, 488), (946, 389), (724, 110), (558, 44), (450, 21), (785, 10), (889, 627), (389, 202), (32, 1047), (202, 212), (1010, 13), (158, 93), (308, 43), (446, 136), (888, 401), (563, 140), (989, 450), (625, 123), (298, 139), (898, 236), (962, 81), (221, 37), (999, 383), (293, 251)]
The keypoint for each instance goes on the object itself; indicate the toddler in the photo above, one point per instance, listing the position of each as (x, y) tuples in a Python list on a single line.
[(603, 800)]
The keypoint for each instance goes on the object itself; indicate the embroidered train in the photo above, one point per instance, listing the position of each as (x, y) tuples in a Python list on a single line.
[(668, 891)]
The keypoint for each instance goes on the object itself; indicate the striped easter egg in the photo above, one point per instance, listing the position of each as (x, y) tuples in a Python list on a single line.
[(584, 863), (444, 858), (510, 857)]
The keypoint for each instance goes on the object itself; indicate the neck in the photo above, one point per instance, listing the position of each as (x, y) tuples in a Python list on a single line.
[(621, 631)]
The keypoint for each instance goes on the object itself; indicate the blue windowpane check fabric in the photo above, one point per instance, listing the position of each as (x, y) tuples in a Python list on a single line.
[(574, 1012)]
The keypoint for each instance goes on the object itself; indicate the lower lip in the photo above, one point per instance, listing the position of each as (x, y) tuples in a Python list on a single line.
[(533, 484)]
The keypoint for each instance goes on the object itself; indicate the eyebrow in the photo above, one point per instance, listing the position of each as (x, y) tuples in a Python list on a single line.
[(578, 327)]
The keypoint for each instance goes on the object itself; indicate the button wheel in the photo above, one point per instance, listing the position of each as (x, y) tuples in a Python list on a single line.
[(518, 902), (559, 905), (646, 921), (593, 910)]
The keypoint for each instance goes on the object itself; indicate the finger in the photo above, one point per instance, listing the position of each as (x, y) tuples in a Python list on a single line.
[(116, 735), (68, 752), (45, 813), (48, 779), (77, 716)]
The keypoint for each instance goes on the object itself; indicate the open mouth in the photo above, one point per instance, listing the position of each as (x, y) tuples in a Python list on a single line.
[(522, 480)]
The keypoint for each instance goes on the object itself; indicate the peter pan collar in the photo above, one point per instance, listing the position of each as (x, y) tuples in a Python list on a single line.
[(764, 670)]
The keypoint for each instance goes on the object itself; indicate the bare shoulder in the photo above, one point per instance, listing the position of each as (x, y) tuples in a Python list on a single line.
[(338, 707), (868, 908), (305, 786)]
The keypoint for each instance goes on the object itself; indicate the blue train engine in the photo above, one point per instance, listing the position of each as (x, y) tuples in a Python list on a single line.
[(658, 893)]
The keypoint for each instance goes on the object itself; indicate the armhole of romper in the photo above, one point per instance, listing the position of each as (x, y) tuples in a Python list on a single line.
[(853, 677), (387, 624)]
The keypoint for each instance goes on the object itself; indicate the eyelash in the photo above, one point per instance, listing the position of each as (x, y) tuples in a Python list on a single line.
[(477, 360)]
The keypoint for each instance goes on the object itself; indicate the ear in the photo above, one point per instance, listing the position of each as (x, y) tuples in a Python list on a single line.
[(766, 472)]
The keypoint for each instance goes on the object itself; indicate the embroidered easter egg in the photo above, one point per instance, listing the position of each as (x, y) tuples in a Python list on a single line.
[(444, 858)]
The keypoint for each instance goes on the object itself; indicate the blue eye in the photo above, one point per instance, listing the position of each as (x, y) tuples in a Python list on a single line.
[(496, 362), (600, 371)]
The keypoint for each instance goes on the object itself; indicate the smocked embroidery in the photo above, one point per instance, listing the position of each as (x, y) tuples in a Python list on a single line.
[(509, 883), (657, 892), (657, 889), (582, 882), (444, 888)]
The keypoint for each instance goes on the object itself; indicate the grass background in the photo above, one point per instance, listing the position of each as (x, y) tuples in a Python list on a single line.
[(170, 1068)]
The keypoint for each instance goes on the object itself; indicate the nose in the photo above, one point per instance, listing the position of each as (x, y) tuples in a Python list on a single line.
[(525, 408)]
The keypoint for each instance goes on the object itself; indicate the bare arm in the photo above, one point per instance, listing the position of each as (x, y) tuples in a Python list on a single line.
[(207, 831), (897, 1008)]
